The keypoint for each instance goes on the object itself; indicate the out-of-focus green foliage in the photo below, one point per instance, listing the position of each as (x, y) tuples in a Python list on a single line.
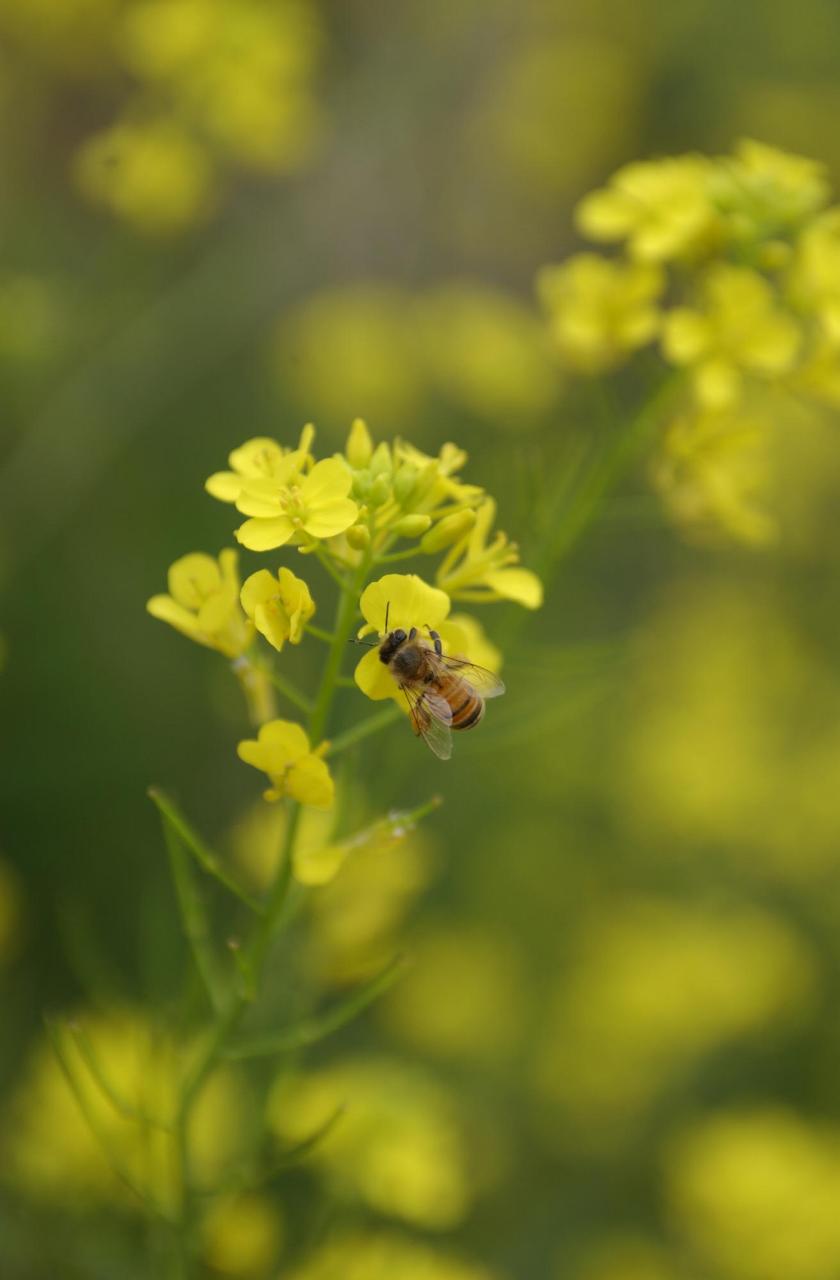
[(613, 1054)]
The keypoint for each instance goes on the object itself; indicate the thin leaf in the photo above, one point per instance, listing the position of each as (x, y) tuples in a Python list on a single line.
[(310, 1030), (120, 1104), (204, 856), (193, 915)]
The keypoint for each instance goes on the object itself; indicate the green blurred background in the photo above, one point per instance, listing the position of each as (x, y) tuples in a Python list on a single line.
[(622, 1006)]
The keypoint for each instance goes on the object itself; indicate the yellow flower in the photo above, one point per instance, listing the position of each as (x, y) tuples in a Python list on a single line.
[(765, 192), (241, 1235), (279, 607), (476, 570), (814, 280), (282, 751), (600, 311), (384, 1255), (203, 602), (153, 175), (290, 505), (662, 208), (259, 459), (739, 329), (712, 475), (398, 1147), (409, 602)]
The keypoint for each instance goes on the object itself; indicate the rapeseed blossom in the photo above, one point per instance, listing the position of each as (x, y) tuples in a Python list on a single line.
[(203, 602), (282, 751), (279, 606), (733, 264), (480, 570)]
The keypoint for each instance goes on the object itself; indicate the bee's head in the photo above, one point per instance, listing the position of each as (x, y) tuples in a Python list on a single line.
[(391, 643)]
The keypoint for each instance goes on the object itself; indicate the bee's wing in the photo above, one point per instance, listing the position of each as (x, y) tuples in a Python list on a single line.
[(431, 716), (485, 682)]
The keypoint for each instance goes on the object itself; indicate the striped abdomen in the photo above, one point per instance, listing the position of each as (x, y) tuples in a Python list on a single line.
[(466, 705)]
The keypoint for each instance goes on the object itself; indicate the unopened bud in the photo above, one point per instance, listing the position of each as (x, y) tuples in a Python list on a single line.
[(404, 483), (380, 491), (359, 447), (412, 526), (448, 530), (380, 459), (358, 536), (362, 482)]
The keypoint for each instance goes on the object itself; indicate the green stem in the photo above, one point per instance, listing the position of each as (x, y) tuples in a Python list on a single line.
[(319, 633), (344, 619), (284, 686), (364, 729)]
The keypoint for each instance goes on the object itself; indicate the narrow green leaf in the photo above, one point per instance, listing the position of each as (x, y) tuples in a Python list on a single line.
[(204, 856), (120, 1104), (193, 915), (310, 1030)]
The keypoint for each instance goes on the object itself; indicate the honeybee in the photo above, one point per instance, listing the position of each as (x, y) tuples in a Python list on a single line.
[(443, 692)]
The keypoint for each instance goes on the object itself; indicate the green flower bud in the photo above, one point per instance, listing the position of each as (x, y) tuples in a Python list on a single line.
[(362, 482), (448, 530), (411, 526), (381, 459), (358, 536), (404, 483), (380, 491), (359, 447)]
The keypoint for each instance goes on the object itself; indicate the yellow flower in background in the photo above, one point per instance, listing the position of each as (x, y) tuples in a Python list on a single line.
[(474, 569), (630, 1257), (755, 1193), (814, 277), (281, 750), (50, 1150), (292, 506), (738, 329), (11, 911), (398, 1147), (153, 175), (600, 311), (764, 191), (260, 459), (486, 351), (278, 606), (661, 208), (712, 471), (409, 602), (620, 1027), (384, 1255), (203, 602), (242, 1235)]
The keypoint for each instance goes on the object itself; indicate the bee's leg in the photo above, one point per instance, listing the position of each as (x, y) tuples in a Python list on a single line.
[(438, 643), (412, 633)]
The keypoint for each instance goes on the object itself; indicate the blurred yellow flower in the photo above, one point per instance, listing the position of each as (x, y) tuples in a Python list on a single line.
[(384, 1255), (397, 1147), (241, 1235), (600, 311), (281, 750), (661, 208), (290, 505), (278, 606), (260, 459), (712, 471), (814, 277), (620, 1026), (11, 911), (50, 1150), (738, 329), (203, 602), (764, 192), (756, 1193), (154, 175), (486, 351), (476, 570)]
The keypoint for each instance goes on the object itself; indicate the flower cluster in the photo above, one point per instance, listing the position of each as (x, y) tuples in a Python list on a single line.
[(732, 266), (351, 513)]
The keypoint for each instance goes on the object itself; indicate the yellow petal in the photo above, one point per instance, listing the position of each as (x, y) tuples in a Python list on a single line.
[(685, 335), (256, 589), (224, 485), (717, 384), (272, 622), (519, 585), (168, 610), (309, 782), (193, 578), (265, 535), (328, 479), (319, 865), (375, 680), (330, 518), (286, 737), (408, 600)]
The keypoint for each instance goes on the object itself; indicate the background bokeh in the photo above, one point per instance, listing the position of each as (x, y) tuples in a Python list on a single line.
[(615, 1055)]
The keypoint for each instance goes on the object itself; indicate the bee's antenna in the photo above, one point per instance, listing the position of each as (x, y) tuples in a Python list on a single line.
[(387, 611), (366, 644)]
